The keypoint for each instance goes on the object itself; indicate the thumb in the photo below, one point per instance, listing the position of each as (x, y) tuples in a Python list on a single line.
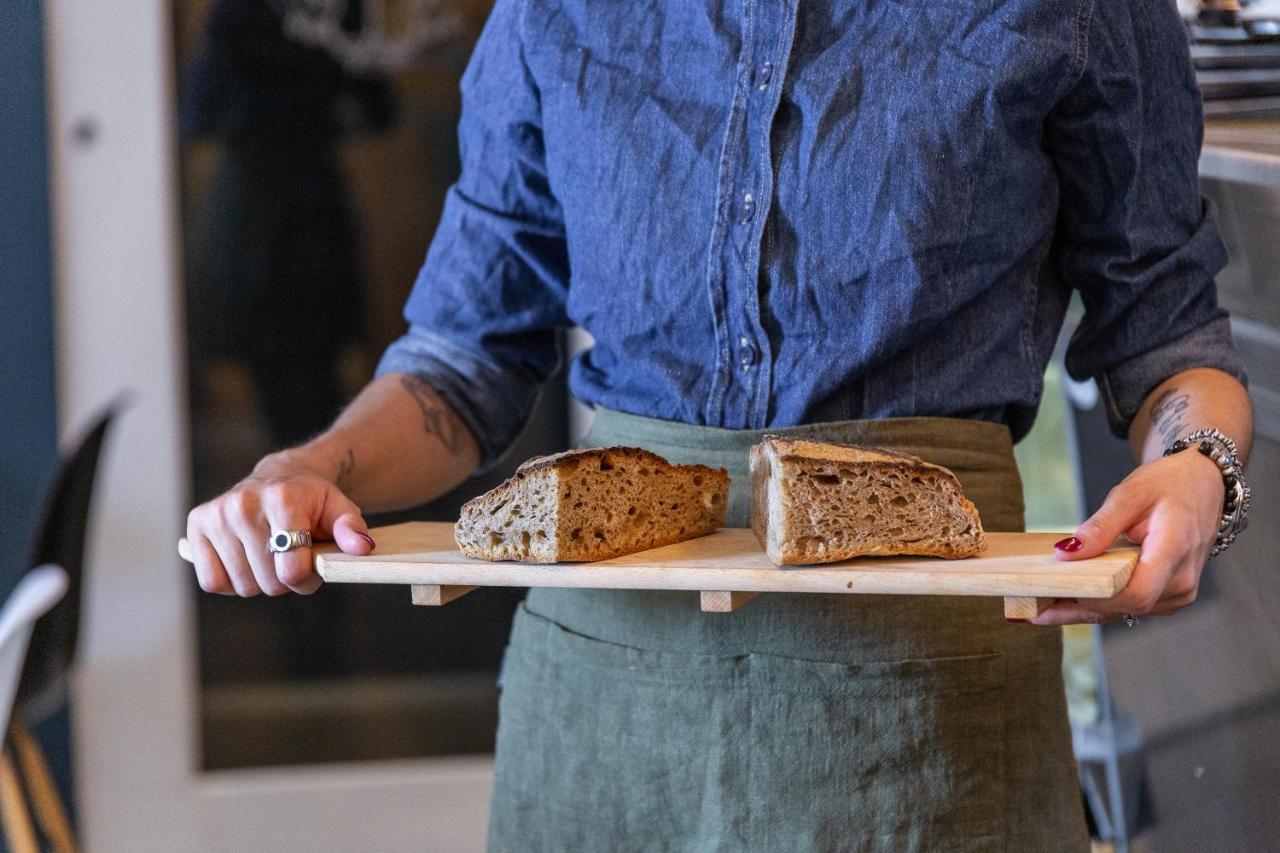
[(1118, 513), (341, 521)]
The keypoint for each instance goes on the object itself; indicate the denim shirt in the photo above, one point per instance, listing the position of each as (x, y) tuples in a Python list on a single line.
[(774, 212)]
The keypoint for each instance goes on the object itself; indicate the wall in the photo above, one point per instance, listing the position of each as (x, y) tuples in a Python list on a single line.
[(28, 419)]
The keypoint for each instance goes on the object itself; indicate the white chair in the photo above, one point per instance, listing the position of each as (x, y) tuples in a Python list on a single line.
[(36, 593)]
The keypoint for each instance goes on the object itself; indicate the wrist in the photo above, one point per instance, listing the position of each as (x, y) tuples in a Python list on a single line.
[(314, 457), (1218, 448)]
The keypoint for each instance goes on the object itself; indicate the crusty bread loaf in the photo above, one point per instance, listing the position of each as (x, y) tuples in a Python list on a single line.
[(591, 505), (819, 502)]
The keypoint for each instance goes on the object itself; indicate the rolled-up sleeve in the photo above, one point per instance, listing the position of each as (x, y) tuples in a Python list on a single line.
[(485, 308), (1135, 236)]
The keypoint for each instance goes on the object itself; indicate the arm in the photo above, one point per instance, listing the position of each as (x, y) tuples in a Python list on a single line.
[(1194, 399), (398, 444), (1170, 505), (1142, 248), (453, 393)]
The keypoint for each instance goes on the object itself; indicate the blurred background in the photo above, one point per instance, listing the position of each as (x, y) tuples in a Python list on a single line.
[(181, 181)]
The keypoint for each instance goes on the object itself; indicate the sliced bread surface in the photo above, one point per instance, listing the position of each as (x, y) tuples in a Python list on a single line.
[(820, 502), (592, 504)]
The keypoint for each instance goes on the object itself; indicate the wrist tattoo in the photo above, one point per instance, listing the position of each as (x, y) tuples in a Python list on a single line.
[(437, 419), (1167, 414), (345, 467)]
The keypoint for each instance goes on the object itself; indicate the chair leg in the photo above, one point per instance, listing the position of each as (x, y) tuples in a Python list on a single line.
[(49, 808), (18, 829)]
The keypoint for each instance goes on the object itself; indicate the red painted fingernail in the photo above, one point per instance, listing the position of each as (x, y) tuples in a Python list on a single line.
[(1007, 619), (1069, 544), (366, 537)]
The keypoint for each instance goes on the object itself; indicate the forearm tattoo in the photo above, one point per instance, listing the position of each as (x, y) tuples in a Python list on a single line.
[(437, 419), (345, 467), (1167, 414)]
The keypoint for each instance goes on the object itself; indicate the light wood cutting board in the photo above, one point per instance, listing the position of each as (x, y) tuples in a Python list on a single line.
[(729, 568)]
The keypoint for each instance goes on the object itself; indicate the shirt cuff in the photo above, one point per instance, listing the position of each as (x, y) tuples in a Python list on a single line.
[(1126, 386), (493, 402)]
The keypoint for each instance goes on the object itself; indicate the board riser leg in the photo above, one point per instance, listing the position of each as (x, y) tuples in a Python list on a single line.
[(724, 602), (1025, 608), (431, 595)]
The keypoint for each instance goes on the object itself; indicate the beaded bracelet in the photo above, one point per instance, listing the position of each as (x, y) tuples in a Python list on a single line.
[(1235, 505)]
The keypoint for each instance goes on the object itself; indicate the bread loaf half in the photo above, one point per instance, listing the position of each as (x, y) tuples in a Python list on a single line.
[(819, 502), (591, 505)]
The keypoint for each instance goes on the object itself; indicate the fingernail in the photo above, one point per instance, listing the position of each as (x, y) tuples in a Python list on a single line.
[(1007, 619), (1069, 544), (366, 537)]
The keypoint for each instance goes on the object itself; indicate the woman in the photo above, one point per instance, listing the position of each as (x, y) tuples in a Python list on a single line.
[(860, 220)]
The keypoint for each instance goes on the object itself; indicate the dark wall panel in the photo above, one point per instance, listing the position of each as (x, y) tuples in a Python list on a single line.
[(28, 417)]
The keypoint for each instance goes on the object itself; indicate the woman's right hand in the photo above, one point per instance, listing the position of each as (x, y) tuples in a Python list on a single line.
[(228, 535)]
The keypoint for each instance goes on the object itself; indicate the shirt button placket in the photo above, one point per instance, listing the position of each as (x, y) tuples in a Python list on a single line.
[(747, 354), (762, 75)]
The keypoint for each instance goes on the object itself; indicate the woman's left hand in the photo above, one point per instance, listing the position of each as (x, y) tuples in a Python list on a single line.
[(1171, 506)]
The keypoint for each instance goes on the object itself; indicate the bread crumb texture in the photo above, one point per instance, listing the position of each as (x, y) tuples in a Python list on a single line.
[(592, 504), (818, 502)]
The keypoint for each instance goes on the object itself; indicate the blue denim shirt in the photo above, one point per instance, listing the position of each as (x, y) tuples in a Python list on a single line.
[(773, 213)]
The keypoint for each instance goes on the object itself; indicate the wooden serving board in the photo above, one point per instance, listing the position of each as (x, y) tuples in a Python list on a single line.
[(729, 568)]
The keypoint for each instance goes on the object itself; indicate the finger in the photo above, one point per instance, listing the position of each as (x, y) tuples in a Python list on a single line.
[(293, 569), (1134, 535), (1170, 606), (341, 522), (253, 541), (1163, 553), (352, 534), (1182, 590), (209, 571), (233, 558), (1069, 611), (1121, 511)]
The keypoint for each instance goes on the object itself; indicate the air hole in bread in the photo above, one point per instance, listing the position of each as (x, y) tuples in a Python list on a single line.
[(495, 538), (598, 533), (540, 535), (575, 533), (697, 479), (524, 538), (899, 500), (631, 510), (499, 506), (606, 464), (826, 479)]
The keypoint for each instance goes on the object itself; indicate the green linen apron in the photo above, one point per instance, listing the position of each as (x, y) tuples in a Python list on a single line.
[(630, 720)]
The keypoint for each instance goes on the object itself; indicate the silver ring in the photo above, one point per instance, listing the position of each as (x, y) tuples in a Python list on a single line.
[(1131, 620), (288, 540)]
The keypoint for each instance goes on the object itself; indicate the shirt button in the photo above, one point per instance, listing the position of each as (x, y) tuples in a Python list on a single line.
[(763, 74), (747, 354), (746, 207)]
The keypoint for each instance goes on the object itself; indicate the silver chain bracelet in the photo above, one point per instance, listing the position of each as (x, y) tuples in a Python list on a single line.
[(1235, 505)]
